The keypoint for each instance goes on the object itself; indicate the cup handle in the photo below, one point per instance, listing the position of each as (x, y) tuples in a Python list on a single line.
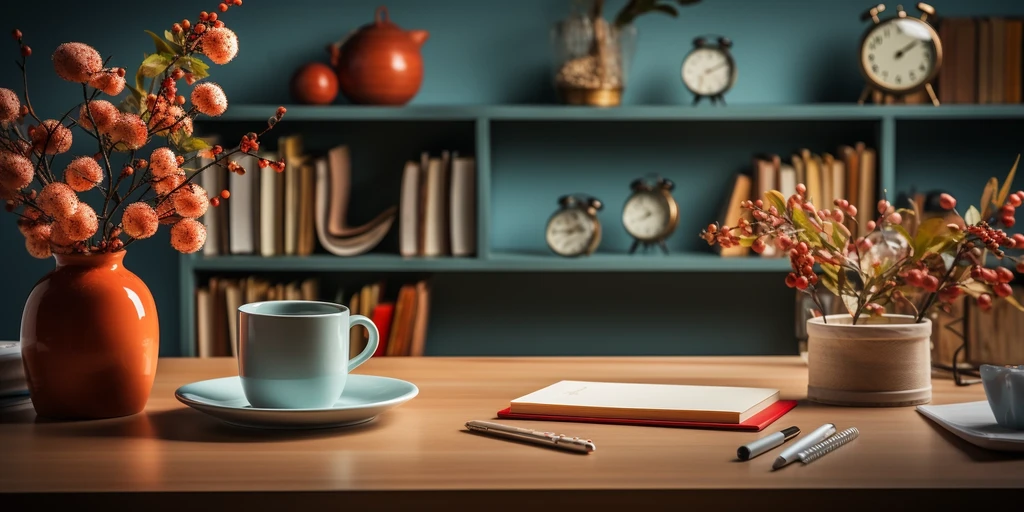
[(371, 344)]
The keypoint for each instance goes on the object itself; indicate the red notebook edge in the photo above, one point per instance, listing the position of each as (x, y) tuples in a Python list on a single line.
[(755, 423)]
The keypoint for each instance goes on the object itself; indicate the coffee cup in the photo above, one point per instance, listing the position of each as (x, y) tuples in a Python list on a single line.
[(294, 354)]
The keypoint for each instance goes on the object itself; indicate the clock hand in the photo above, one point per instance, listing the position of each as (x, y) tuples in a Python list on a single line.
[(906, 49), (715, 68)]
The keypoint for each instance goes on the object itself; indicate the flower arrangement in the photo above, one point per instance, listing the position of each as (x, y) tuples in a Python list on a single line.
[(137, 194), (884, 264)]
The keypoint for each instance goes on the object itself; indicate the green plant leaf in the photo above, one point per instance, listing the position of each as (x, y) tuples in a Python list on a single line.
[(198, 68), (155, 64), (1005, 192), (163, 46), (829, 277), (972, 217), (801, 221), (928, 233), (991, 189), (747, 241), (1013, 302), (903, 232), (775, 198), (837, 236), (189, 144)]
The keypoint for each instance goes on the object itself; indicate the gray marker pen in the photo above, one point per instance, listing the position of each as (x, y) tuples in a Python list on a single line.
[(751, 450)]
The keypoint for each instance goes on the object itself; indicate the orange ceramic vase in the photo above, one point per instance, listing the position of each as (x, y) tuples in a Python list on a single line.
[(90, 339)]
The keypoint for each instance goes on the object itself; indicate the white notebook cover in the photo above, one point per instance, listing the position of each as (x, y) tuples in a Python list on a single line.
[(647, 401)]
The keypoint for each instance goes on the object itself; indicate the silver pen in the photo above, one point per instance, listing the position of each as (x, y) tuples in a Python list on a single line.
[(769, 442), (790, 454), (548, 439)]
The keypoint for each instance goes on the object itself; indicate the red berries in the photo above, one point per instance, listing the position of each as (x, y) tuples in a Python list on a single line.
[(25, 50), (1014, 200), (985, 301), (1008, 221), (1004, 275), (758, 246), (215, 202), (223, 7), (949, 293), (1002, 290), (16, 34), (801, 189), (176, 28), (802, 283), (225, 194)]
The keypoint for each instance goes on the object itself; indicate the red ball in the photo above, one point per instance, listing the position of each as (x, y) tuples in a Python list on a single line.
[(314, 84)]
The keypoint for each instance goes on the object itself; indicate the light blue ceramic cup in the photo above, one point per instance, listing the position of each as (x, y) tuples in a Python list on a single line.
[(293, 354), (1004, 388)]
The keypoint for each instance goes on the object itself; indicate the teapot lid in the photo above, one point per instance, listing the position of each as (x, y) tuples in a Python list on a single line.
[(382, 20)]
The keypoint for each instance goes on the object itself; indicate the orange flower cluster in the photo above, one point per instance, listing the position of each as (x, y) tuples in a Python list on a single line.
[(137, 194)]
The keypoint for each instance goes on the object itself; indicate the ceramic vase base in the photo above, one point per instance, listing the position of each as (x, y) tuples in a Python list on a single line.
[(842, 397)]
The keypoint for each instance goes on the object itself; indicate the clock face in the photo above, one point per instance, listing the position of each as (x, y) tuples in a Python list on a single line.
[(570, 232), (708, 71), (647, 216), (900, 54)]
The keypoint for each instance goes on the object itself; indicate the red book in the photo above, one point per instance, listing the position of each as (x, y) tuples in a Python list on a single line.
[(755, 423), (381, 317)]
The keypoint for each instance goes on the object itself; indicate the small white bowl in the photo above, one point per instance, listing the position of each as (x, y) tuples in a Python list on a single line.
[(1004, 387)]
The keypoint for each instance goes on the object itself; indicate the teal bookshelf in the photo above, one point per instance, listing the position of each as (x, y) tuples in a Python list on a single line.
[(528, 155)]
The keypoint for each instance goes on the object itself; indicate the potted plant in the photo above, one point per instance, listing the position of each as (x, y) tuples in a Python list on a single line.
[(90, 335), (868, 356), (593, 56)]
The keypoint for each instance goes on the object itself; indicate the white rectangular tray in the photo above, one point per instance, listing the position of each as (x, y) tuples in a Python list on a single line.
[(974, 422)]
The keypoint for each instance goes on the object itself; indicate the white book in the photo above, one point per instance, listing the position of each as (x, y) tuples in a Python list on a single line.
[(838, 180), (718, 404), (463, 206), (787, 180), (12, 370), (435, 230), (292, 180), (408, 223), (208, 180), (240, 207), (268, 192)]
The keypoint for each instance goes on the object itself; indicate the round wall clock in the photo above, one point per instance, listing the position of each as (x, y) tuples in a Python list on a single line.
[(574, 229), (650, 214), (899, 56), (709, 69)]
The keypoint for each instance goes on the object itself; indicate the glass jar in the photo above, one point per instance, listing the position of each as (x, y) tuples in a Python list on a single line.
[(592, 60)]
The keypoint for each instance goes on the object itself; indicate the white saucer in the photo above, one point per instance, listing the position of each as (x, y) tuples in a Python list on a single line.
[(365, 397)]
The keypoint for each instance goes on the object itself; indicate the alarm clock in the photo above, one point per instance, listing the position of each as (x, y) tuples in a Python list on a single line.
[(650, 214), (574, 229), (709, 69), (899, 56)]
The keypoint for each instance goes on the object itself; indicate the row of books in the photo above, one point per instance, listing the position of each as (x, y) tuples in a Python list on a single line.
[(273, 214), (269, 213), (983, 60), (851, 173), (438, 206), (217, 306), (401, 319)]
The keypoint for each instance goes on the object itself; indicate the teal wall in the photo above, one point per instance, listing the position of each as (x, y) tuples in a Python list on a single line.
[(486, 52)]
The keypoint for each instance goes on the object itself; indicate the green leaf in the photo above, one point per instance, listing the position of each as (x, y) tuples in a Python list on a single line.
[(991, 189), (163, 46), (903, 232), (747, 241), (1005, 192), (829, 277), (929, 233), (801, 221), (198, 68), (973, 216), (155, 64), (1013, 302), (190, 144), (775, 198), (837, 236)]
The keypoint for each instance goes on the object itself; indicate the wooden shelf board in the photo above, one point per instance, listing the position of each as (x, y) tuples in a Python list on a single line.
[(825, 111)]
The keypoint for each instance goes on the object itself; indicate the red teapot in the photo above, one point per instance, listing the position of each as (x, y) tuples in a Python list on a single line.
[(379, 64)]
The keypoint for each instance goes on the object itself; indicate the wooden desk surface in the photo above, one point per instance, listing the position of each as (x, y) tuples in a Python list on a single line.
[(422, 446)]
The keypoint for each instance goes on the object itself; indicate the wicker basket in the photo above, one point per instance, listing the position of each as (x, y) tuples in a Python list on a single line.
[(881, 362)]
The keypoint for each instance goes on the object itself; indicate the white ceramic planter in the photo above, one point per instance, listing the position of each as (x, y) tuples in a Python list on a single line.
[(881, 362)]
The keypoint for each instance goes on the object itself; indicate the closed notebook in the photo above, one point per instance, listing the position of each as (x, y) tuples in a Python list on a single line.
[(657, 402)]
